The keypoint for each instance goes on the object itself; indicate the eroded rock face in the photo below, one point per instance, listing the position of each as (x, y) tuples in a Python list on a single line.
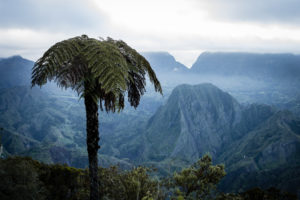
[(255, 142), (204, 117)]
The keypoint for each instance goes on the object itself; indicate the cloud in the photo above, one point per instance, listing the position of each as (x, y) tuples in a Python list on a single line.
[(261, 11), (27, 42), (183, 27), (53, 15), (29, 27)]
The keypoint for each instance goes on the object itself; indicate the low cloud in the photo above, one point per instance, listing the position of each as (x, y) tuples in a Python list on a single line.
[(184, 28)]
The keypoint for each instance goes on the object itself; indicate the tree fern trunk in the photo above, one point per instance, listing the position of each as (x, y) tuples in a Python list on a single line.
[(92, 140)]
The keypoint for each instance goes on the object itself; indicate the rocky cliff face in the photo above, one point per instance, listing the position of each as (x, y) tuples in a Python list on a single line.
[(202, 118), (266, 156), (253, 141), (195, 119)]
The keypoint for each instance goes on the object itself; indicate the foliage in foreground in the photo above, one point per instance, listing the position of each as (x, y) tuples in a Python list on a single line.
[(23, 178), (198, 181)]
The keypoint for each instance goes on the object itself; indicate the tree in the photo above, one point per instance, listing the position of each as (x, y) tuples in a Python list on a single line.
[(199, 180), (102, 72), (136, 184), (20, 179), (1, 146)]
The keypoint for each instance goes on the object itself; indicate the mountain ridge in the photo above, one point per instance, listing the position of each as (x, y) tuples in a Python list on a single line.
[(194, 120), (283, 65), (252, 138), (15, 71), (163, 62)]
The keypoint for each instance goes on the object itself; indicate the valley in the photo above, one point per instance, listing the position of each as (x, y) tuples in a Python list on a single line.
[(242, 109)]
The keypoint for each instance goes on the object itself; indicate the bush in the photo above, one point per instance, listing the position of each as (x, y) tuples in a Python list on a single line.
[(133, 184), (20, 179)]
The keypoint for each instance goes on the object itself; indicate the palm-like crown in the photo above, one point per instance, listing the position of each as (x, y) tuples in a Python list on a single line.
[(103, 69)]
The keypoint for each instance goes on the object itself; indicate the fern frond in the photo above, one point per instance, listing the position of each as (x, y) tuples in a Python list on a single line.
[(138, 66), (49, 66), (138, 61), (102, 69), (107, 65)]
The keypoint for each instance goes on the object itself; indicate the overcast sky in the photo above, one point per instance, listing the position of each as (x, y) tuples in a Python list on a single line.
[(185, 28)]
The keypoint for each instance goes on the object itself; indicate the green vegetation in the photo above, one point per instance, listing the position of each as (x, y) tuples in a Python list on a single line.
[(198, 181), (99, 71), (258, 144), (52, 130), (23, 178), (54, 133)]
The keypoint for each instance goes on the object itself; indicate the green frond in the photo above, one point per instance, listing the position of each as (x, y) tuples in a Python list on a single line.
[(49, 66), (107, 65), (102, 69), (138, 61), (138, 67)]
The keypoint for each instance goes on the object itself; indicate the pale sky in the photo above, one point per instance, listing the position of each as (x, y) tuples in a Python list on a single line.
[(184, 28)]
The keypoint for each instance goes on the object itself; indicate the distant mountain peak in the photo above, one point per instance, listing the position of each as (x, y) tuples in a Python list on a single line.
[(13, 57), (164, 62), (201, 86), (203, 92), (16, 56), (156, 53), (15, 71), (194, 120)]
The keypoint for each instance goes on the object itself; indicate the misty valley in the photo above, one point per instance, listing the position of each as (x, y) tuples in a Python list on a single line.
[(237, 109)]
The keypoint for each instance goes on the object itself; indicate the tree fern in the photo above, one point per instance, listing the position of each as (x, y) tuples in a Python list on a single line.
[(110, 68), (101, 71)]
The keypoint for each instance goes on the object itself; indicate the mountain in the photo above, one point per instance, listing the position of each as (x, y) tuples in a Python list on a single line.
[(250, 77), (163, 62), (15, 71), (32, 113), (293, 105), (34, 121), (253, 139), (259, 144), (193, 114), (38, 122), (200, 118), (259, 66), (256, 158)]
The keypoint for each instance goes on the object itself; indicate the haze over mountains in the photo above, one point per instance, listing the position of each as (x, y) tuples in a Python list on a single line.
[(216, 107), (202, 118), (163, 62), (270, 66), (15, 71)]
